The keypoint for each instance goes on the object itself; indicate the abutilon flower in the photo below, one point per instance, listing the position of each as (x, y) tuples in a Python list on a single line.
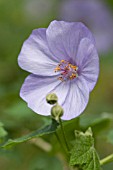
[(95, 15), (63, 60)]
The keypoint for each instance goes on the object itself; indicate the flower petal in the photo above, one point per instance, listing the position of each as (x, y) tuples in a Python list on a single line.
[(76, 100), (35, 89), (64, 37), (35, 56), (88, 62)]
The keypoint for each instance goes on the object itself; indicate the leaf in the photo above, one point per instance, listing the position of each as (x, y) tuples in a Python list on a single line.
[(46, 130), (83, 152)]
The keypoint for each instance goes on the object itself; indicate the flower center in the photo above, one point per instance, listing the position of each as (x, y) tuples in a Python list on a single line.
[(67, 70)]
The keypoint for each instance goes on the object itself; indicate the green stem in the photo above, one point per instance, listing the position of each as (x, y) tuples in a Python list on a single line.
[(106, 160), (64, 136), (60, 141)]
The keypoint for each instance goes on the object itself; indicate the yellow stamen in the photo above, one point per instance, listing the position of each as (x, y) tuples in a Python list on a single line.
[(74, 67), (62, 61), (72, 76), (57, 69)]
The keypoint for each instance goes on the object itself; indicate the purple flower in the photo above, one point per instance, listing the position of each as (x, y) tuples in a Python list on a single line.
[(63, 60), (93, 14)]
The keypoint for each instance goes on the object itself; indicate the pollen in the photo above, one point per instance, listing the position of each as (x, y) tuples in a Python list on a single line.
[(67, 70)]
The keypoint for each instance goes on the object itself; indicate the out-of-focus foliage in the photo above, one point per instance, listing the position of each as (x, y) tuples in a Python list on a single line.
[(110, 136), (3, 132), (17, 19)]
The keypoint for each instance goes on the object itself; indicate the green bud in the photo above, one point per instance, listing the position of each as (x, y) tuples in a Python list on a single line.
[(56, 112), (51, 98)]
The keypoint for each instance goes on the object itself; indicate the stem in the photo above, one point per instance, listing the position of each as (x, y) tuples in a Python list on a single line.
[(59, 141), (106, 160), (64, 136)]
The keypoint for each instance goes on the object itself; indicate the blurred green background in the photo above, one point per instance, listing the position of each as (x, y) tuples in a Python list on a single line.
[(17, 19)]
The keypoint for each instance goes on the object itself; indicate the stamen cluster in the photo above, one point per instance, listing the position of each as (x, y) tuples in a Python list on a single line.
[(68, 71)]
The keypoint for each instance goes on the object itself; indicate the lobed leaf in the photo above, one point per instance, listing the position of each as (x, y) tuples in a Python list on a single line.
[(83, 153)]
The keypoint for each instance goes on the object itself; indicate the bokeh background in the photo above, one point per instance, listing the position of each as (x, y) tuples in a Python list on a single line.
[(17, 19)]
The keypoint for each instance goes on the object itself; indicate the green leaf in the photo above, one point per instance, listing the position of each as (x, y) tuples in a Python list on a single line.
[(83, 153), (46, 130)]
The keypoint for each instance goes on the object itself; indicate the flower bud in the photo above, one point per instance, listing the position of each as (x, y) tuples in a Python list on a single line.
[(56, 112), (51, 98)]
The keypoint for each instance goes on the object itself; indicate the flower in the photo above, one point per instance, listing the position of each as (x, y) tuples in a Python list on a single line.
[(93, 14), (63, 60)]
